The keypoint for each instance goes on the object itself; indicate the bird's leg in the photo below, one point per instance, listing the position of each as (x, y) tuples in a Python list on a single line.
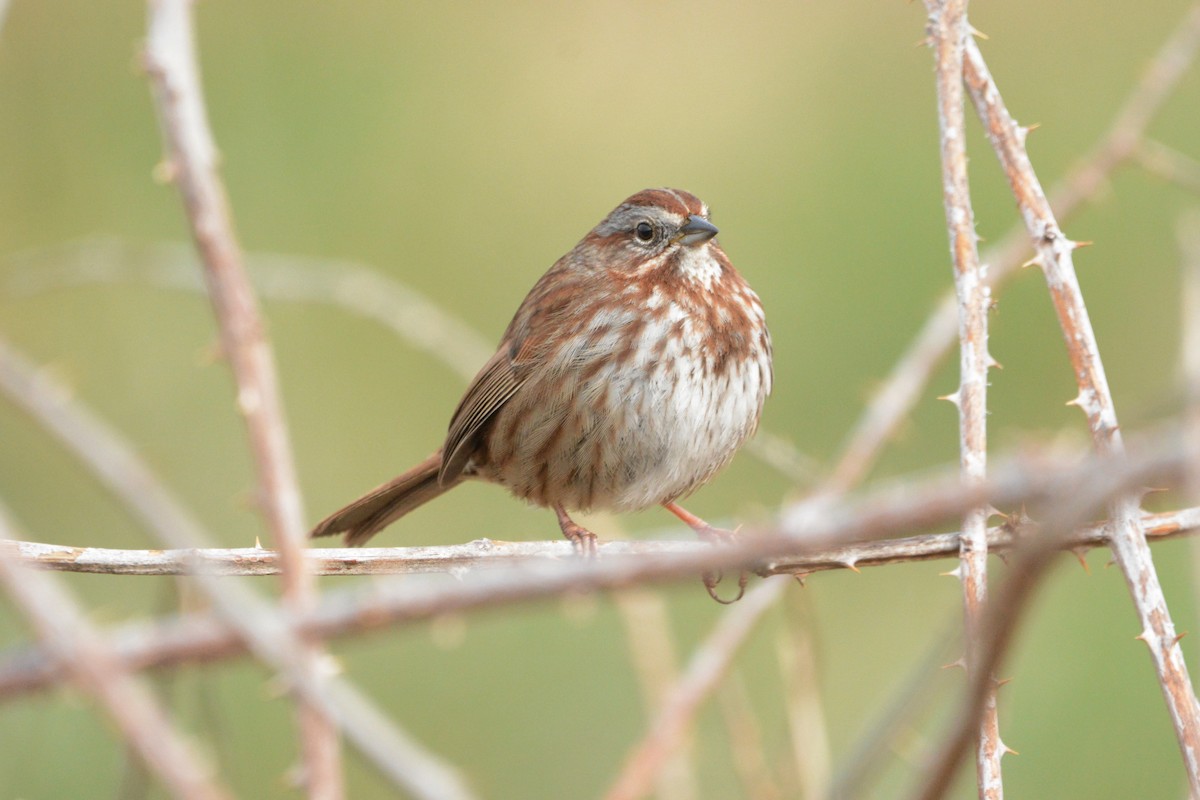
[(717, 536), (583, 539)]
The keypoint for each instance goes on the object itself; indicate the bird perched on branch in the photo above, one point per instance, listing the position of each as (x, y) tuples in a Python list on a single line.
[(631, 373)]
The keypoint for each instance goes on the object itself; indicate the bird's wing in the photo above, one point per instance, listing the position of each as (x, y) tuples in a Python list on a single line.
[(531, 335)]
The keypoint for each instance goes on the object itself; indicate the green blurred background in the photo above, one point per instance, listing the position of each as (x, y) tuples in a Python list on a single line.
[(461, 148)]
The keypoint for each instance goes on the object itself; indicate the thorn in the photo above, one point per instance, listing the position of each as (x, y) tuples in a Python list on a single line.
[(1178, 636), (1109, 563), (993, 363), (926, 41), (257, 544), (850, 565), (978, 34), (1081, 554), (959, 662), (1008, 751), (800, 576), (1001, 682), (1153, 490), (1076, 401), (1143, 637), (953, 573), (1032, 127), (953, 397), (992, 511), (1036, 261), (1078, 245)]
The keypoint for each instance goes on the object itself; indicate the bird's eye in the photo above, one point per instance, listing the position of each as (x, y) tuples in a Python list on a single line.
[(644, 231)]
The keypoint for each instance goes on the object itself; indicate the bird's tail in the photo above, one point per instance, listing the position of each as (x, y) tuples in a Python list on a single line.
[(385, 504)]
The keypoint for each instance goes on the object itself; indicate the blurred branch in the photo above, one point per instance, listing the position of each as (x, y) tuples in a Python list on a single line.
[(706, 670), (390, 601), (656, 666), (796, 654), (902, 388), (948, 34), (252, 624), (746, 741), (1028, 567), (191, 163), (83, 653), (1187, 232), (1169, 164), (1054, 255)]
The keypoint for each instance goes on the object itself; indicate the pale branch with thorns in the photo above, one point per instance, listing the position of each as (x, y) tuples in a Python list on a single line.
[(833, 530)]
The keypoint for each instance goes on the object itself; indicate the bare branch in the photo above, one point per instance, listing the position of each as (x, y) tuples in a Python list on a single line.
[(83, 653), (1054, 253), (490, 554), (253, 625), (1029, 566), (191, 158), (949, 32), (387, 602), (902, 388)]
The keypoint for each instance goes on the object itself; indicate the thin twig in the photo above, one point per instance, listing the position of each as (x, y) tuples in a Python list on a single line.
[(253, 625), (85, 655), (948, 33), (902, 388), (1054, 254), (708, 666), (191, 158)]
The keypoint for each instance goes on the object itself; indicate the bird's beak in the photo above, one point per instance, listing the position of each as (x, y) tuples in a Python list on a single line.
[(697, 230)]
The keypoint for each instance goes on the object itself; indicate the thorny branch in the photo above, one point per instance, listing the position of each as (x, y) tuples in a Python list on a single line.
[(948, 33), (186, 639), (1054, 254), (191, 163), (487, 554), (902, 388), (390, 601)]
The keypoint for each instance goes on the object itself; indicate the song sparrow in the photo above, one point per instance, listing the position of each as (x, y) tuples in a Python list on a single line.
[(630, 375)]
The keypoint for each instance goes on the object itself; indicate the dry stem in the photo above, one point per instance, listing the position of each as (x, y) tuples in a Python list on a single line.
[(191, 162), (83, 653), (253, 624), (949, 32), (902, 388), (1054, 253)]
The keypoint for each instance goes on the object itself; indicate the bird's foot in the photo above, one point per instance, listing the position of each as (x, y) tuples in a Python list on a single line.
[(717, 536), (584, 540)]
